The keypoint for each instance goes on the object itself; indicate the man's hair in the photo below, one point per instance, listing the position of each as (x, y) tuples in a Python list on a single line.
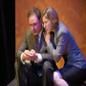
[(35, 11), (51, 14)]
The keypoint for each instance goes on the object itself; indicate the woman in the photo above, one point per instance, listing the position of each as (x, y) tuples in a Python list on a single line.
[(60, 43)]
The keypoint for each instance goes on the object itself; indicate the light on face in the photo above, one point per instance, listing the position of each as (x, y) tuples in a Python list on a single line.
[(47, 24), (34, 24)]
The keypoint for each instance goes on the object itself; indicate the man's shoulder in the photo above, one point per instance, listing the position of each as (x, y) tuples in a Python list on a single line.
[(28, 32)]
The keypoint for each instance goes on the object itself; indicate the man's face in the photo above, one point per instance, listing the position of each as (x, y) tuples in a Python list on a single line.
[(34, 24)]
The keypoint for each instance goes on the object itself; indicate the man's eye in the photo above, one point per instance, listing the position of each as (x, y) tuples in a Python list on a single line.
[(35, 23), (30, 25)]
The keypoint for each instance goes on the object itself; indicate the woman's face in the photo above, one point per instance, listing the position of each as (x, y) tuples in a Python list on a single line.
[(47, 24)]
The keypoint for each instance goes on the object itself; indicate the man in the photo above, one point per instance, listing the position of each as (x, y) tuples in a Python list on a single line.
[(36, 66)]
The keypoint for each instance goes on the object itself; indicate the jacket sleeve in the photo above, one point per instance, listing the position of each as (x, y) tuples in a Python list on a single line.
[(47, 56), (61, 46), (23, 47)]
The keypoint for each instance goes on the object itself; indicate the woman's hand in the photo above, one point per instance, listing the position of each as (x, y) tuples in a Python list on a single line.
[(47, 38)]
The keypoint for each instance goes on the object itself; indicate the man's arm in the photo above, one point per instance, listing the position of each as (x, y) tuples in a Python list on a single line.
[(23, 47), (21, 50)]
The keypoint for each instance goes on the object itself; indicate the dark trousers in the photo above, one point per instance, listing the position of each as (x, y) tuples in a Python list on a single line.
[(40, 74), (73, 75)]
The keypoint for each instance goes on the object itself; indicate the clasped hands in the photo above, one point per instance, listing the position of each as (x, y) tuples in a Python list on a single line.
[(29, 55)]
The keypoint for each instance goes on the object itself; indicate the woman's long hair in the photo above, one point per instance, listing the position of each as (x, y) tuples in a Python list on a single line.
[(51, 14)]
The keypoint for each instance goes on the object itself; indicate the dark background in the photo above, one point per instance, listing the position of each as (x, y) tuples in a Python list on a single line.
[(7, 41)]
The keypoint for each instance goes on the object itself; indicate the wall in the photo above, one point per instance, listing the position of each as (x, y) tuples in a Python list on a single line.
[(71, 12)]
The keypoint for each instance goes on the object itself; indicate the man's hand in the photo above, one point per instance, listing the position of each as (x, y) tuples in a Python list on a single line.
[(33, 55), (25, 55), (29, 55)]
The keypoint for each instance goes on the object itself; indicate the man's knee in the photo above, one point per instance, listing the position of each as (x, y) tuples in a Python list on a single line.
[(47, 66)]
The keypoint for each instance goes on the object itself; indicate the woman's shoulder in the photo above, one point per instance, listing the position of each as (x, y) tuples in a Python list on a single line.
[(63, 27)]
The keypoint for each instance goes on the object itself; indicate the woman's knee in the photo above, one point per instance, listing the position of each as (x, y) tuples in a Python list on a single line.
[(56, 75), (58, 80)]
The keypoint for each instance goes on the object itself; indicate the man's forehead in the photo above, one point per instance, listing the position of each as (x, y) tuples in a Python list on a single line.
[(33, 18)]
